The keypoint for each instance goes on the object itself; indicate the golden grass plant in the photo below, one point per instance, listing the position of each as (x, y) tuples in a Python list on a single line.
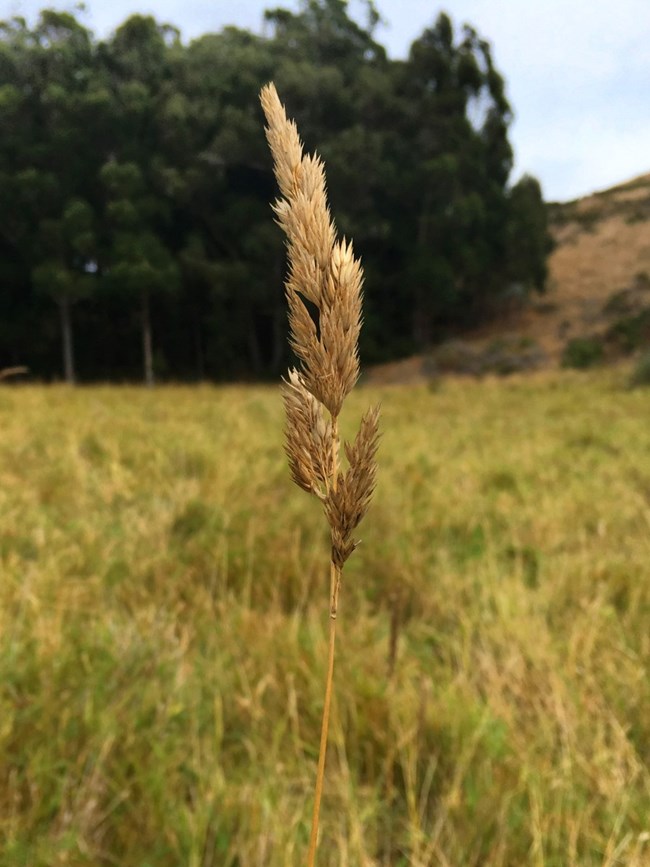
[(163, 649), (324, 272)]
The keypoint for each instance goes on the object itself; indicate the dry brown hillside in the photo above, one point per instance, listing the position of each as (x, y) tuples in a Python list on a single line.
[(600, 268), (598, 292)]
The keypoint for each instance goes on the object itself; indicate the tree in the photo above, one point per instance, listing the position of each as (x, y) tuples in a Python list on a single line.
[(135, 178), (48, 159), (138, 264), (455, 160), (230, 255), (138, 179), (529, 241), (67, 270)]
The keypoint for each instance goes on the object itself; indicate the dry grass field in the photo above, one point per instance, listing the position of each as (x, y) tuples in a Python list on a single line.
[(163, 631)]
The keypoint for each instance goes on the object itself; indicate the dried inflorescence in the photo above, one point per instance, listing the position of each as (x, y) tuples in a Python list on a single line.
[(324, 272), (348, 502), (308, 438)]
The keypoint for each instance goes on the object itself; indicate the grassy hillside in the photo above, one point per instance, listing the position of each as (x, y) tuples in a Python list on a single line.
[(163, 603)]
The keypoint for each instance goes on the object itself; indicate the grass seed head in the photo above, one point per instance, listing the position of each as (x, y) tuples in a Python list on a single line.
[(308, 441), (321, 270), (348, 502)]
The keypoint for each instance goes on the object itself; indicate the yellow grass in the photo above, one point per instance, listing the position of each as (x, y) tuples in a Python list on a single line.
[(163, 625)]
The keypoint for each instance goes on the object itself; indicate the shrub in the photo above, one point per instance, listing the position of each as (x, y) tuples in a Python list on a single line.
[(582, 352), (502, 356), (631, 332)]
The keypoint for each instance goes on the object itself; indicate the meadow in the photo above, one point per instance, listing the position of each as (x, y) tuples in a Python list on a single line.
[(163, 630)]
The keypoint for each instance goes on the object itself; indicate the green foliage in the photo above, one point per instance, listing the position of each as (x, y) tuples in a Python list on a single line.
[(583, 352), (630, 333), (136, 166), (529, 242)]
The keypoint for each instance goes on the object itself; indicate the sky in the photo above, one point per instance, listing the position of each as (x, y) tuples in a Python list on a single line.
[(577, 71)]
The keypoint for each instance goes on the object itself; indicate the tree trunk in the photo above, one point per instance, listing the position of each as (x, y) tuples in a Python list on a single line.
[(66, 337), (421, 319), (146, 341), (198, 345), (254, 351)]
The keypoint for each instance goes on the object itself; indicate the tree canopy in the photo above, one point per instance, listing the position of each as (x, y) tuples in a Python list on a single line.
[(135, 231)]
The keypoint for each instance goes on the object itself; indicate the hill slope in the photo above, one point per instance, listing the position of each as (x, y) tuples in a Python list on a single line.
[(599, 271), (598, 291)]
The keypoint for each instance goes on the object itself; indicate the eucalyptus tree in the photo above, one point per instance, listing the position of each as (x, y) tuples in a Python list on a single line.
[(48, 159), (231, 258), (67, 269), (529, 241), (134, 186), (139, 265), (454, 160), (138, 180)]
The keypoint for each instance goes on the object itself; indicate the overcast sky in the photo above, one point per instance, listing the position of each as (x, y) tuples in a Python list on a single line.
[(577, 71)]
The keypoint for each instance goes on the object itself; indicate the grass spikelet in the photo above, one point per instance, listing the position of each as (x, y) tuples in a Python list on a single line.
[(348, 502), (308, 437), (324, 272)]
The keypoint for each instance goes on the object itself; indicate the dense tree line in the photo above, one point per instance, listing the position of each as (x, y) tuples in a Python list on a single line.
[(135, 185)]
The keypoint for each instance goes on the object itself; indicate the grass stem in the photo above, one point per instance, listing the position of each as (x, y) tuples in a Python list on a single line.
[(324, 272), (313, 839)]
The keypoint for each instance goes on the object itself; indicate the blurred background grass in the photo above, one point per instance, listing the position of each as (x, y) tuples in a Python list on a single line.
[(163, 617)]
